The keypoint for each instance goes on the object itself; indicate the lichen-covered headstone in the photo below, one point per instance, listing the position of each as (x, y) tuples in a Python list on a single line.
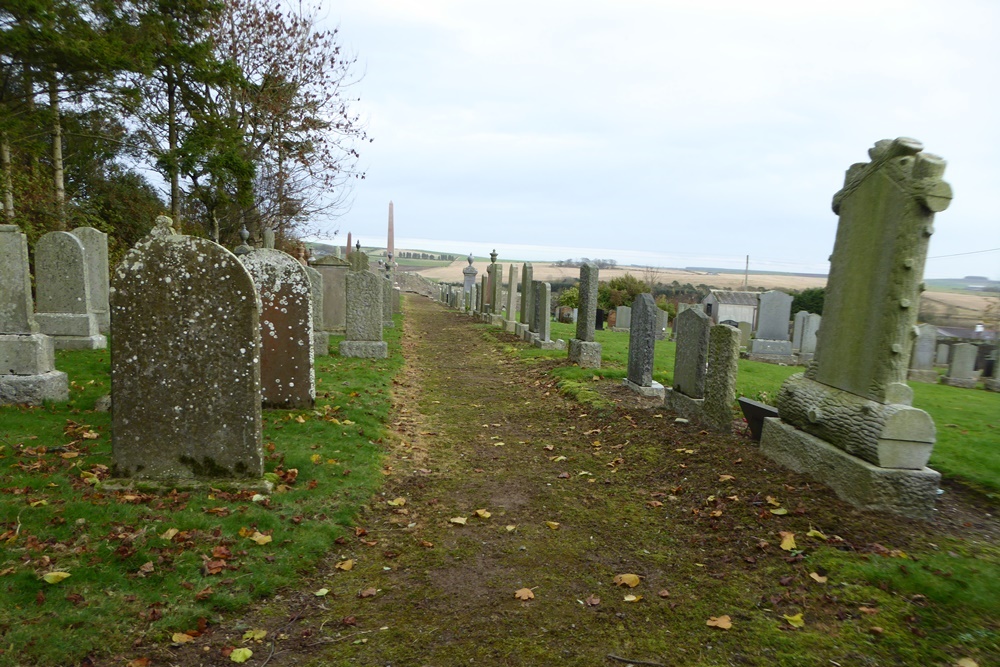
[(95, 249), (961, 369), (641, 346), (496, 299), (334, 271), (321, 337), (287, 377), (27, 363), (582, 349), (185, 361), (364, 317), (848, 419), (358, 260), (745, 331), (922, 357), (720, 384), (62, 290), (527, 301)]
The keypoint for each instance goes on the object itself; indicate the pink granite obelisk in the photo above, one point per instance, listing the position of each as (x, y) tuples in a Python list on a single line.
[(347, 251), (390, 245)]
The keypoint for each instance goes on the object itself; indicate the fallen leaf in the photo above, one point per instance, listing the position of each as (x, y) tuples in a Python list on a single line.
[(146, 568), (868, 610), (725, 478), (425, 544), (664, 593), (552, 524), (241, 654), (815, 533), (138, 662), (630, 580), (260, 538), (55, 577), (771, 500), (316, 458), (398, 502), (632, 598), (321, 592), (818, 578), (787, 540), (966, 662), (557, 459), (722, 622), (511, 528), (524, 594), (460, 520), (795, 621), (483, 514), (345, 565), (876, 630), (168, 534), (255, 635), (548, 448), (779, 511), (368, 593), (592, 601), (181, 638)]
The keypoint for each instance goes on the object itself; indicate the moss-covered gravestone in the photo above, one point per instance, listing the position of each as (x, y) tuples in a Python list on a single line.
[(364, 317), (848, 419), (185, 362), (287, 378)]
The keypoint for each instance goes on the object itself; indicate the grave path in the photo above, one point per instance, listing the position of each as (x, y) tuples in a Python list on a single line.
[(476, 428)]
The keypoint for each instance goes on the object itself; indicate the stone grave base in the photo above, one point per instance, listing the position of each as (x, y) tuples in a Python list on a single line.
[(993, 385), (619, 329), (558, 344), (930, 376), (964, 383), (785, 359), (528, 335), (910, 493), (803, 358), (655, 390), (683, 405), (510, 326), (33, 389), (163, 486), (364, 348), (388, 324), (497, 320), (765, 347), (519, 329), (585, 354), (97, 342), (321, 343), (26, 354)]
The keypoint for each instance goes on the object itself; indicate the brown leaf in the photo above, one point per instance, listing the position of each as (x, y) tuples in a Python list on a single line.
[(203, 593), (426, 545), (524, 594), (138, 662), (368, 593), (592, 601), (664, 593), (348, 620)]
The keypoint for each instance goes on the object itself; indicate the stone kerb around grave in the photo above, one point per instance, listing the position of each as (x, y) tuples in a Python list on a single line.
[(62, 290), (641, 346), (848, 420), (287, 376), (185, 362), (583, 350), (364, 317)]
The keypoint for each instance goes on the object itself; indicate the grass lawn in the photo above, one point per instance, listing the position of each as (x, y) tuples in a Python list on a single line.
[(148, 568)]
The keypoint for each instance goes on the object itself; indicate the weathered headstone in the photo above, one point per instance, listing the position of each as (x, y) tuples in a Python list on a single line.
[(599, 319), (583, 351), (496, 298), (27, 362), (641, 346), (358, 260), (848, 419), (662, 322), (687, 394), (543, 320), (387, 322), (797, 323), (941, 356), (334, 271), (321, 337), (185, 361), (95, 253), (62, 290), (810, 329), (510, 320), (773, 314), (469, 276), (922, 356), (720, 385), (961, 370), (993, 382), (623, 321), (364, 316), (287, 377), (397, 300), (745, 331), (527, 304), (484, 294)]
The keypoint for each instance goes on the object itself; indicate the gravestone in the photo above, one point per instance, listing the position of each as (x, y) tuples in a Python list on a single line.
[(364, 316), (185, 362), (771, 343), (599, 319), (95, 252), (681, 307), (527, 304), (848, 419), (941, 356), (387, 322), (662, 322), (27, 360), (583, 351), (287, 377), (334, 271), (797, 323), (922, 356), (496, 298), (542, 319), (623, 318), (961, 370), (510, 321), (745, 331), (720, 385), (62, 290), (358, 260), (810, 329), (397, 300), (321, 338), (469, 276), (641, 346), (993, 382), (484, 294), (686, 395)]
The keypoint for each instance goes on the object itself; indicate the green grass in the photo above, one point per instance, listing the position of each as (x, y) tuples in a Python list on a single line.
[(968, 420), (133, 580)]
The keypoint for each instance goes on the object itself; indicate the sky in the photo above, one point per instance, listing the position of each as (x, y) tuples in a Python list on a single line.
[(666, 133)]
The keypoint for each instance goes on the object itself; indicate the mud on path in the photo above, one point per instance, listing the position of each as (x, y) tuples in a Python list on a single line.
[(574, 497)]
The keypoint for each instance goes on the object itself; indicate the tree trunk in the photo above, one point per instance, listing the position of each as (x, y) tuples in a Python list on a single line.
[(175, 187), (58, 179), (7, 175)]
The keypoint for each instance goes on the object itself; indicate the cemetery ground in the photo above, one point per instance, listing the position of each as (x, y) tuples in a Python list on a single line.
[(514, 511)]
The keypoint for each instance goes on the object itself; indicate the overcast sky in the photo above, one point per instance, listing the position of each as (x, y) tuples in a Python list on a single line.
[(669, 133)]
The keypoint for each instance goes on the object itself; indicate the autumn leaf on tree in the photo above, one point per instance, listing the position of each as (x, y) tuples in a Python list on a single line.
[(721, 622), (630, 580), (524, 594)]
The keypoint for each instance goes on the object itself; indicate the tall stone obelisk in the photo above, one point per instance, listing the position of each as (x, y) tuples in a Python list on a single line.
[(347, 250), (391, 244)]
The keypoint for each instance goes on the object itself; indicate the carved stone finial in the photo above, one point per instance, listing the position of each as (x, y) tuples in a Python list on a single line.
[(243, 248), (470, 259), (164, 226)]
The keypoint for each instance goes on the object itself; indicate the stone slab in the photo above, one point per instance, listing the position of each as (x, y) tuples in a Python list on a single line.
[(321, 343), (34, 389), (691, 352), (654, 390), (26, 354), (963, 383), (364, 306), (587, 312), (773, 314), (685, 406), (558, 344), (61, 281), (585, 354), (642, 340), (771, 347), (364, 348), (910, 493), (510, 326), (928, 376)]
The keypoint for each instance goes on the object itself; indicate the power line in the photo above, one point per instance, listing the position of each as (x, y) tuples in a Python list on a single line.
[(957, 254)]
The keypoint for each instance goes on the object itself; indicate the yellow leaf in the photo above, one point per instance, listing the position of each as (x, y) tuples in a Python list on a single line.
[(347, 422), (241, 655), (779, 511), (726, 478), (554, 525), (302, 420), (260, 538), (815, 533), (795, 621), (483, 514), (818, 578), (398, 502), (345, 565), (632, 598), (722, 622), (55, 577), (39, 503), (254, 635), (460, 520), (511, 527), (787, 540), (316, 458), (524, 594), (181, 638), (244, 532), (630, 580), (321, 592), (168, 534), (771, 500), (499, 444), (966, 662)]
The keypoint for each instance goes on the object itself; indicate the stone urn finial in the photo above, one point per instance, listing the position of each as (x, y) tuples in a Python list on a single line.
[(243, 248), (470, 259), (493, 256)]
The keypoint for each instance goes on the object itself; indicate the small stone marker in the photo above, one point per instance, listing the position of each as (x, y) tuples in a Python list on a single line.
[(185, 362), (848, 419), (583, 351), (922, 356), (287, 377), (62, 288), (941, 358), (95, 253), (961, 370), (641, 346), (364, 316)]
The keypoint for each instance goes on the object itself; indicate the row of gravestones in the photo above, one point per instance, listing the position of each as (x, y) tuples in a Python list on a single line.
[(961, 360)]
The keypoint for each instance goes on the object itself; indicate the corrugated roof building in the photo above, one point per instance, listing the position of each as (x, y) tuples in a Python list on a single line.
[(722, 305)]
